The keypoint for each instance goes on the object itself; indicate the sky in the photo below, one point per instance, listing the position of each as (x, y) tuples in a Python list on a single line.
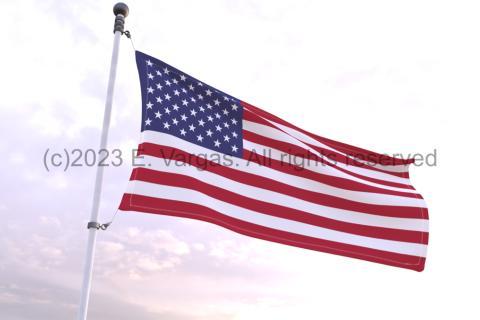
[(394, 77)]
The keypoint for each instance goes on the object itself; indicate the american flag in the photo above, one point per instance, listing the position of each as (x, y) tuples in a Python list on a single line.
[(212, 157)]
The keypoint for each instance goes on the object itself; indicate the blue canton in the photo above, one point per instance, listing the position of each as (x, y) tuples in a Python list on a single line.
[(180, 105)]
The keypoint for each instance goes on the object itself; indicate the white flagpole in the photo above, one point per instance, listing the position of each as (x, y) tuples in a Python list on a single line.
[(121, 12)]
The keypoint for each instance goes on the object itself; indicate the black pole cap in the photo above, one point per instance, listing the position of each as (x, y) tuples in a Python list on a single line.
[(120, 8), (121, 12)]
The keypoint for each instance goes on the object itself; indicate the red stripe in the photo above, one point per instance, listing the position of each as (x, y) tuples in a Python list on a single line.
[(342, 147), (315, 176), (174, 154), (276, 210), (299, 152), (198, 212), (332, 155), (291, 170)]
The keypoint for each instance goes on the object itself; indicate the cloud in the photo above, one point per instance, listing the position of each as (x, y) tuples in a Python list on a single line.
[(50, 221), (139, 253), (23, 298)]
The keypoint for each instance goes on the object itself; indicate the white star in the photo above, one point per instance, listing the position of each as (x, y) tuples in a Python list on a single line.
[(209, 132), (158, 73), (191, 127), (149, 105), (210, 118), (167, 111), (200, 96), (149, 63), (226, 138), (166, 125), (167, 96), (217, 143), (191, 87), (184, 102), (200, 138), (183, 132), (234, 107), (216, 102), (183, 78), (234, 148), (234, 121), (202, 109), (166, 70), (184, 90), (175, 121), (150, 90), (208, 92), (159, 86), (218, 128), (148, 122), (168, 83), (175, 107), (225, 111), (176, 92), (175, 80), (158, 114), (200, 84), (234, 134), (217, 115), (226, 125), (226, 98), (159, 100), (193, 99), (193, 112), (150, 76), (201, 122), (184, 117), (209, 106)]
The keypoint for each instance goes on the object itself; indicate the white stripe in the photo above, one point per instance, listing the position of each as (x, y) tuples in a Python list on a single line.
[(322, 169), (293, 180), (278, 135), (307, 139), (277, 198), (174, 142), (193, 196)]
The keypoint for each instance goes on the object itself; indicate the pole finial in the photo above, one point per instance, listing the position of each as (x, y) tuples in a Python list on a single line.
[(121, 8), (121, 12)]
